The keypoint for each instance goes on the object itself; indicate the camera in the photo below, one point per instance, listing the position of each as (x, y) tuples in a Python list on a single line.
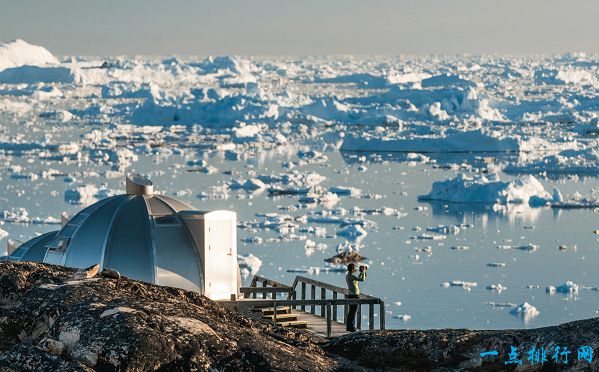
[(363, 268)]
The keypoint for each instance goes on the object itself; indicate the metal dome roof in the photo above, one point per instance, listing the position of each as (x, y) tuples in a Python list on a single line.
[(139, 234)]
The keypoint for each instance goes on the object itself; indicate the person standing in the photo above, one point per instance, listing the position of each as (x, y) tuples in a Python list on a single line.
[(354, 292)]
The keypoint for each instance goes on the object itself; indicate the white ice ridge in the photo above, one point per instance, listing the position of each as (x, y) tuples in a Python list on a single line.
[(19, 53)]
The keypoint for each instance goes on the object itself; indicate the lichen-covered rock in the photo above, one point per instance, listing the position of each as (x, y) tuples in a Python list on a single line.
[(25, 357), (107, 324), (51, 321), (459, 349)]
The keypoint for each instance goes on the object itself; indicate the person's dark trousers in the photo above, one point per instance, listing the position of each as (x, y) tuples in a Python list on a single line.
[(351, 315)]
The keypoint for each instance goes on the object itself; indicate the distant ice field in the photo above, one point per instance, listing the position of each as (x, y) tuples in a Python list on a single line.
[(469, 183)]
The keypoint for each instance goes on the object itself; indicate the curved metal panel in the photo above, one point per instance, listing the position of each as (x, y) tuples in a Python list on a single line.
[(157, 207), (87, 243), (176, 205), (34, 249), (129, 247)]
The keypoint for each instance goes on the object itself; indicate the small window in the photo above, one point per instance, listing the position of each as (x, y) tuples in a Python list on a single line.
[(166, 220), (58, 244)]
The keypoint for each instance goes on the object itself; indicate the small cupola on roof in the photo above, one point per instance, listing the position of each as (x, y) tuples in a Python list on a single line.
[(153, 238)]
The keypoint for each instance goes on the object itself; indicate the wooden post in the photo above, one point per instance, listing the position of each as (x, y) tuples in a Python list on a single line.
[(382, 320), (359, 316), (371, 317), (323, 295), (329, 325), (274, 317), (313, 297), (303, 295), (263, 293), (334, 306), (345, 309)]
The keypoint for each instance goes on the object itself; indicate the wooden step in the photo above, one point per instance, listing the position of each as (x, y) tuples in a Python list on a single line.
[(281, 317), (280, 310), (294, 324)]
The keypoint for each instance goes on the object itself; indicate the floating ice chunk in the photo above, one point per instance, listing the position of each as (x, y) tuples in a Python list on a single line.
[(489, 189), (496, 264), (500, 304), (550, 289), (250, 184), (569, 287), (346, 191), (21, 215), (209, 170), (444, 229), (247, 131), (68, 148), (526, 311), (403, 317), (253, 240), (529, 248), (430, 237), (353, 231), (85, 194), (496, 287), (248, 264), (459, 283), (3, 234)]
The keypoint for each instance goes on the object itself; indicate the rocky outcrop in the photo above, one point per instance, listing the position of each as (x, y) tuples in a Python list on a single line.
[(54, 318), (51, 321), (459, 349)]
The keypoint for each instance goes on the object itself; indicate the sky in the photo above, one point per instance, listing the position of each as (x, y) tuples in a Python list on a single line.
[(303, 27)]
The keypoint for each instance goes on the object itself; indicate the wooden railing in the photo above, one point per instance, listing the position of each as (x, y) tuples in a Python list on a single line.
[(325, 288), (328, 307), (265, 286)]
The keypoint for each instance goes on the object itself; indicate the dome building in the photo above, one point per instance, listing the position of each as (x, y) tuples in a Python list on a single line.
[(148, 237)]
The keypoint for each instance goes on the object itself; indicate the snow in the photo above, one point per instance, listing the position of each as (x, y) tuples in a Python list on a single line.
[(490, 190)]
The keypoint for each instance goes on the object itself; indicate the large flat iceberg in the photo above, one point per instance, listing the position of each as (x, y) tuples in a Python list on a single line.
[(454, 141), (489, 190)]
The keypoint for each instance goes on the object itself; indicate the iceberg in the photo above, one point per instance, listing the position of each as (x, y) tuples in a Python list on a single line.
[(19, 53), (489, 190)]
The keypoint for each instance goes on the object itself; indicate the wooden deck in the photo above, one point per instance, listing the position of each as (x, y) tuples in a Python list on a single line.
[(318, 324), (320, 315)]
